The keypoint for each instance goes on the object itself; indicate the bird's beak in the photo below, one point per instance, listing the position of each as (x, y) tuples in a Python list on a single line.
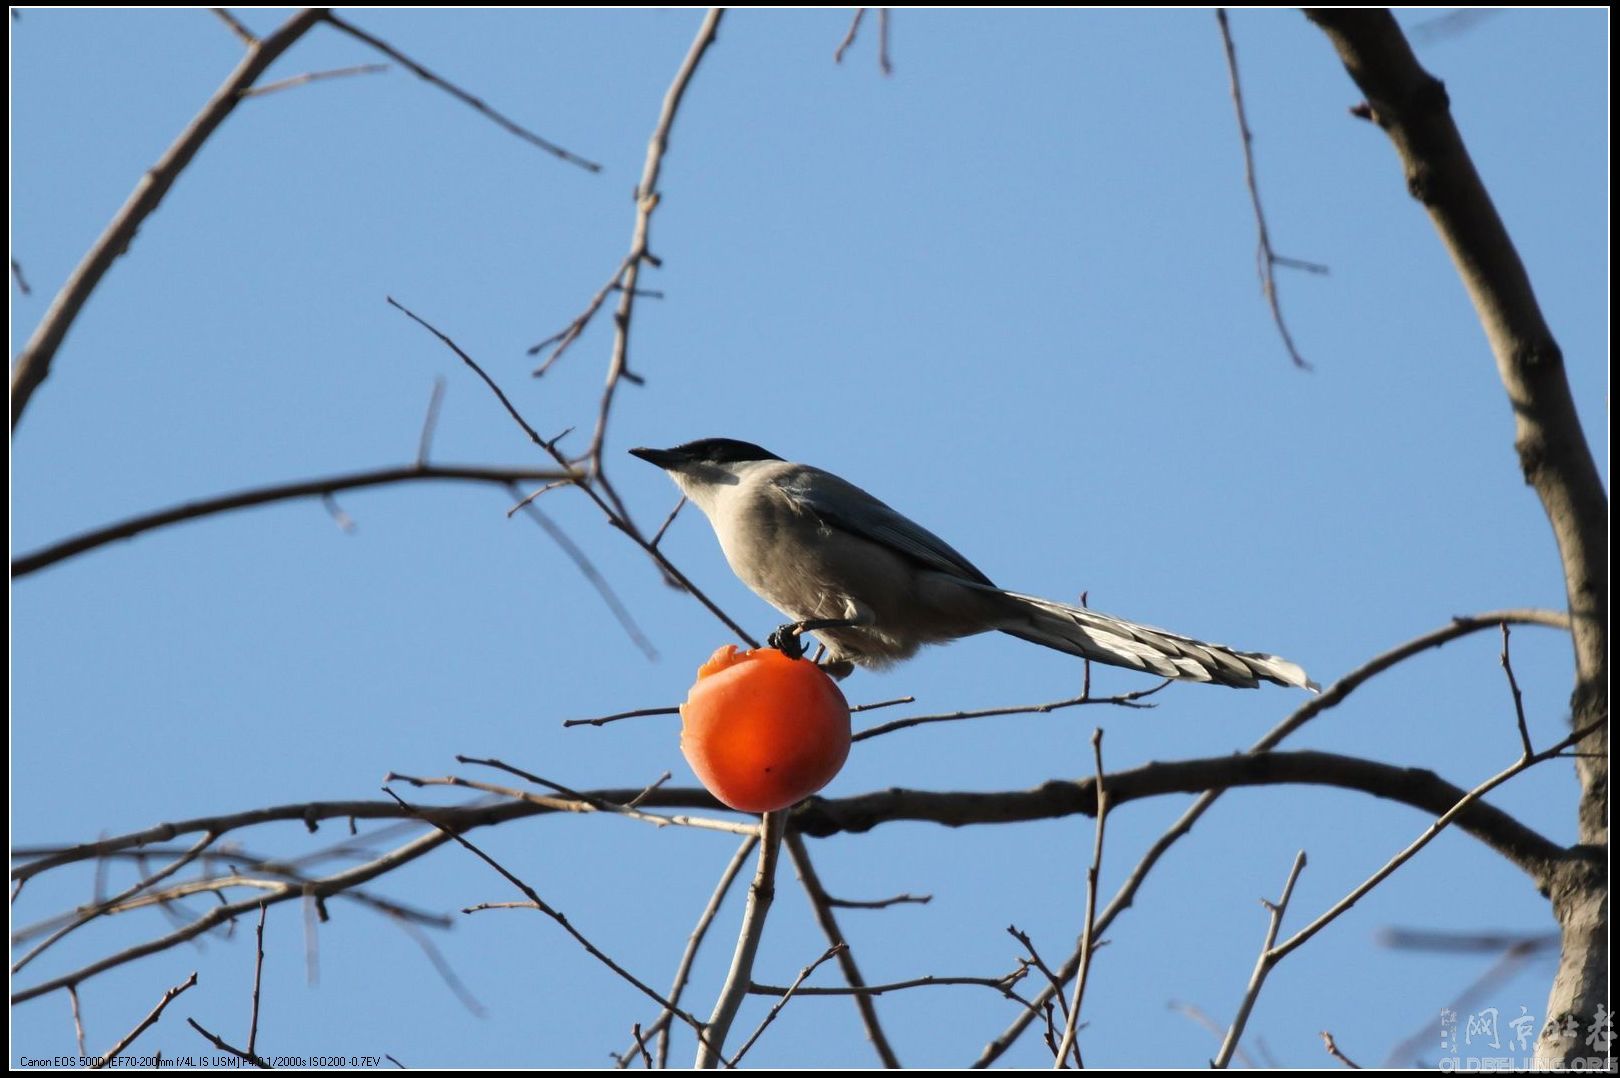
[(664, 458)]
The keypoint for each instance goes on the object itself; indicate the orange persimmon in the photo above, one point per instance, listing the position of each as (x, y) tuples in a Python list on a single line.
[(763, 731)]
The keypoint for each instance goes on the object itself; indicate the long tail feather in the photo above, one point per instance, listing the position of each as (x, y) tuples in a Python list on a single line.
[(1112, 640)]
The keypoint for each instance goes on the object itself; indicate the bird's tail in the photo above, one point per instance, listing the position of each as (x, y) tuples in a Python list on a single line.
[(1111, 640)]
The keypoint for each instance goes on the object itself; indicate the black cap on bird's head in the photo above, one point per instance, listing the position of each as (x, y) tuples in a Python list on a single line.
[(705, 451)]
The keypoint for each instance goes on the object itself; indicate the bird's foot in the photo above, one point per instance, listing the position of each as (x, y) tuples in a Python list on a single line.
[(788, 638)]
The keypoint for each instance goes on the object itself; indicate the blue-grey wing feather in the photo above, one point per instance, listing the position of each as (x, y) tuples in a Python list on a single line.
[(841, 504)]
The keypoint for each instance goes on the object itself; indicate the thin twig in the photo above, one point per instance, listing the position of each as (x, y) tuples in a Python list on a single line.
[(459, 94), (883, 703), (220, 1043), (1444, 942), (313, 76), (33, 364), (85, 915), (1128, 699), (1039, 963), (118, 1049), (878, 903), (1468, 800), (648, 712), (1512, 959), (1333, 1050), (1262, 965), (571, 801), (804, 975), (658, 535), (342, 519), (639, 713), (821, 905), (305, 488), (849, 37), (1000, 984), (243, 34), (19, 279), (648, 197), (78, 1018), (258, 979), (1204, 1020), (561, 340), (761, 892), (641, 1045), (1268, 260), (440, 965), (694, 940), (1518, 697), (589, 571), (536, 902), (430, 421), (271, 892), (1087, 946), (555, 484), (615, 517)]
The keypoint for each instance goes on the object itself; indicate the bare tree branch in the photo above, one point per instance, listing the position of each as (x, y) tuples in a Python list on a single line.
[(821, 905), (258, 979), (1334, 695), (883, 39), (105, 906), (1197, 1015), (1542, 859), (1089, 925), (804, 975), (1273, 952), (430, 421), (459, 94), (761, 893), (1000, 984), (78, 1018), (647, 198), (313, 76), (1413, 109), (849, 37), (538, 903), (242, 499), (219, 1042), (118, 1049), (1268, 260), (614, 515), (1128, 699), (1518, 697), (33, 365), (243, 34), (1333, 1050), (593, 575), (694, 940), (1451, 815), (1262, 966)]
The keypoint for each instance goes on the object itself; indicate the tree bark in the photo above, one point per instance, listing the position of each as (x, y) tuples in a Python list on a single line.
[(1412, 108)]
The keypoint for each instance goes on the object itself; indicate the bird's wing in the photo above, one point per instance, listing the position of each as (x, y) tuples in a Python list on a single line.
[(845, 506)]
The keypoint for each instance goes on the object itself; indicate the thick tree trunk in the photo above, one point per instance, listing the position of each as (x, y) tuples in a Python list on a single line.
[(1411, 106)]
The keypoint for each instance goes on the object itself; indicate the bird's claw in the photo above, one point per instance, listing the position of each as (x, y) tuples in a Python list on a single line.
[(787, 640)]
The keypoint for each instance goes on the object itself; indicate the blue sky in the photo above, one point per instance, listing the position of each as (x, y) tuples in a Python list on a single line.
[(1009, 289)]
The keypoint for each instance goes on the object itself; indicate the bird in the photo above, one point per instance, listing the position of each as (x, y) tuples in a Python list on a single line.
[(875, 586)]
